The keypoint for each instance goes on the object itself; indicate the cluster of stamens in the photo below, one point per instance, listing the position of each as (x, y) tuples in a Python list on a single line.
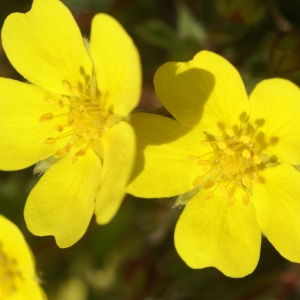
[(9, 275), (232, 164), (85, 125)]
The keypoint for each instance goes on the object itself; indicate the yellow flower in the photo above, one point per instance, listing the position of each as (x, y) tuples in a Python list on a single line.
[(73, 117), (17, 271), (232, 157)]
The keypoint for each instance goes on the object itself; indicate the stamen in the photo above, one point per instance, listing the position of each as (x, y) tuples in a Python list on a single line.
[(246, 199), (246, 153), (49, 100), (208, 184), (46, 117), (246, 182), (9, 275), (75, 92), (230, 132), (223, 190), (58, 127), (83, 125), (60, 153), (231, 165), (222, 145), (231, 200), (246, 139), (80, 152), (65, 100), (198, 180), (66, 85), (50, 141)]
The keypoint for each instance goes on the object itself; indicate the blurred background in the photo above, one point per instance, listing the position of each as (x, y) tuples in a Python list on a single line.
[(133, 257)]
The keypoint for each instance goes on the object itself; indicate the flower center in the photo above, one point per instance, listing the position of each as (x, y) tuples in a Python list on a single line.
[(232, 164), (9, 275), (86, 120)]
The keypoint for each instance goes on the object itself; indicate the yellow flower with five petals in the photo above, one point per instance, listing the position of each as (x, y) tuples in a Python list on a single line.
[(71, 117), (230, 157), (18, 279)]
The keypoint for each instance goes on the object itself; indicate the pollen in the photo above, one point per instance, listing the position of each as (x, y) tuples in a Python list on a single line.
[(230, 167), (81, 124)]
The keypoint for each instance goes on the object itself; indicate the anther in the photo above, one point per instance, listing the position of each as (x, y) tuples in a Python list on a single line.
[(205, 143), (264, 157), (65, 100), (246, 153), (208, 184), (231, 201), (230, 196), (230, 132), (246, 198), (46, 117), (58, 127), (60, 152), (80, 152), (245, 139), (66, 85), (75, 92), (246, 182), (198, 180), (49, 100), (50, 141), (222, 145), (257, 159), (223, 190)]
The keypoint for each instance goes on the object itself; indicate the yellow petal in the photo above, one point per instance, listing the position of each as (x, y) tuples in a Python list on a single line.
[(22, 135), (166, 163), (63, 201), (45, 45), (119, 154), (184, 88), (117, 65), (14, 245), (207, 88), (276, 104), (209, 233), (28, 289), (15, 248), (277, 203)]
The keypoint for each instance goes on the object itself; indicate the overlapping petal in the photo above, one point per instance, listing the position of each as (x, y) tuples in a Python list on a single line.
[(278, 208), (119, 154), (116, 64), (45, 45), (22, 135), (175, 84), (206, 89), (211, 233), (275, 104), (166, 163), (63, 201)]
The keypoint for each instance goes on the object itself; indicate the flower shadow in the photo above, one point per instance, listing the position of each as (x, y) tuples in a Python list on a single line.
[(185, 108)]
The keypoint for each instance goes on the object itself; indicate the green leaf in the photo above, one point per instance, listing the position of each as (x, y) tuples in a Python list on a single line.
[(157, 33), (188, 27)]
